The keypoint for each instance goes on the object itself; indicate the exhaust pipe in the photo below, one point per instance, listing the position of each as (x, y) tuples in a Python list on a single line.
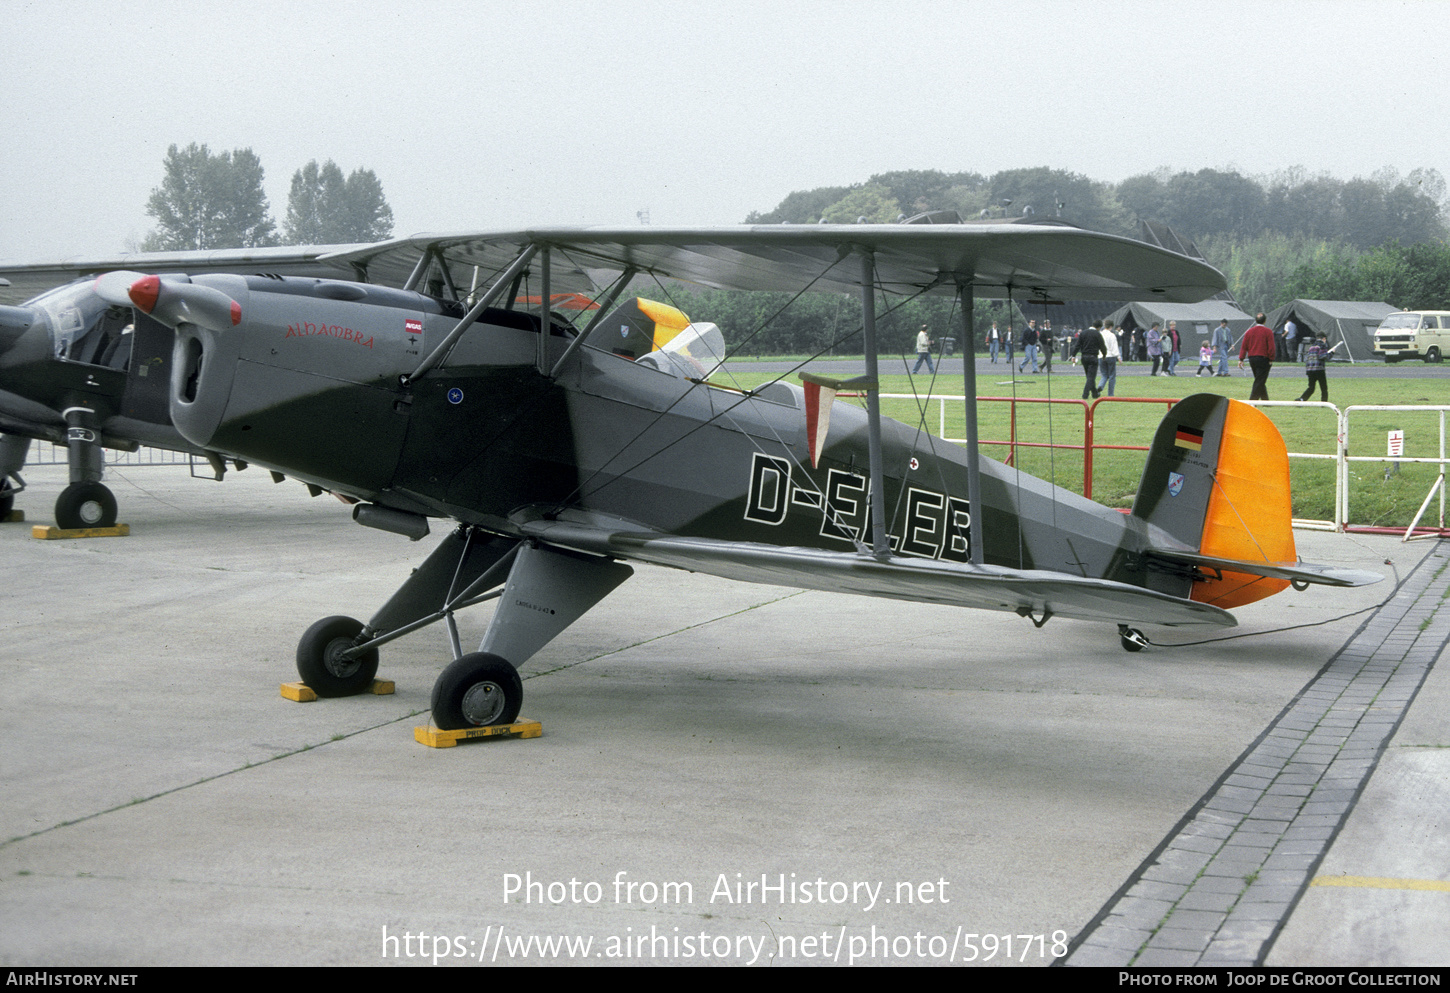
[(411, 526)]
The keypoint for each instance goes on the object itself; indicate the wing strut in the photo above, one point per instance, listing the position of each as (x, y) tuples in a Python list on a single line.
[(969, 387), (880, 540), (541, 353), (484, 302), (604, 302)]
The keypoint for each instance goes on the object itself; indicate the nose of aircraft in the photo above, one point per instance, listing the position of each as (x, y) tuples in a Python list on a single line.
[(14, 322)]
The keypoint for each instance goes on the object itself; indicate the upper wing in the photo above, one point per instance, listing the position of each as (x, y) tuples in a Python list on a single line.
[(28, 281), (1051, 260), (1023, 591), (1027, 259)]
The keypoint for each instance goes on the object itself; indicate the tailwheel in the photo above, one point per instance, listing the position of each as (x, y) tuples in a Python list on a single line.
[(1132, 638), (323, 667), (477, 690), (85, 505)]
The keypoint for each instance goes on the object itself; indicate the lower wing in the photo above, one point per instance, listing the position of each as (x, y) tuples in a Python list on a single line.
[(1028, 592)]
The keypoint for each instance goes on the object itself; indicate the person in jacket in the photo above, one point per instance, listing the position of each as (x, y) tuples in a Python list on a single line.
[(1222, 341), (1258, 347), (923, 351), (1108, 366), (1316, 366), (1029, 347), (1090, 345)]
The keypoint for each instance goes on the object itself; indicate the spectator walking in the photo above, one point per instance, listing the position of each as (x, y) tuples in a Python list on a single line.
[(1108, 366), (1090, 345), (1258, 348), (1029, 348), (1316, 367), (1223, 340), (923, 352)]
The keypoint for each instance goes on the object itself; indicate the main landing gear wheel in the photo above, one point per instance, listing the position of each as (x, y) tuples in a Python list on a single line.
[(320, 662), (85, 505), (1132, 638), (477, 690), (7, 498)]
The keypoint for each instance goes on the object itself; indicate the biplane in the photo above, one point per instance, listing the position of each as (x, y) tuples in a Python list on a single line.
[(562, 455)]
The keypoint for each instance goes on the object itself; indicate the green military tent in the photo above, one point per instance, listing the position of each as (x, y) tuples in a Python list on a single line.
[(1349, 324), (1196, 321)]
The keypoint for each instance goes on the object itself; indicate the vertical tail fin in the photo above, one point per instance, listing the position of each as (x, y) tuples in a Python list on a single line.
[(1217, 479)]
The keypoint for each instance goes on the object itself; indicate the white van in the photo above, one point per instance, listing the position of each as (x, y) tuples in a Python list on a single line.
[(1414, 334)]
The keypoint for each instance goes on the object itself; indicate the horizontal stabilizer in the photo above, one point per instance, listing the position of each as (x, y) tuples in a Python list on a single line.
[(1294, 572), (1024, 591)]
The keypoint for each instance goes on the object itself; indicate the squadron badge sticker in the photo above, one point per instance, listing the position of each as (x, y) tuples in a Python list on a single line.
[(1175, 483)]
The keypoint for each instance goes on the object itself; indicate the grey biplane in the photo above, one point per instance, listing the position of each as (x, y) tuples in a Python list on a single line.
[(565, 454)]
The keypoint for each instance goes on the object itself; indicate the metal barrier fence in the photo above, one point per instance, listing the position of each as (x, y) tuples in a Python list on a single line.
[(1341, 459), (1415, 530), (44, 453)]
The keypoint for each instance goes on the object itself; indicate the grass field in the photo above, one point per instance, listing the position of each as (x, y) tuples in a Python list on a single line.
[(1373, 498)]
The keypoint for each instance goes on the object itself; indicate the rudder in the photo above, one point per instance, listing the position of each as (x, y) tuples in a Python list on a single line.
[(1217, 479)]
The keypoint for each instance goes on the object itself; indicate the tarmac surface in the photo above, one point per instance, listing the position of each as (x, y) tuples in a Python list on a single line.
[(728, 773)]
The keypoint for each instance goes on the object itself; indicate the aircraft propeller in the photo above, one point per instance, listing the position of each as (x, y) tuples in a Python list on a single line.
[(169, 301)]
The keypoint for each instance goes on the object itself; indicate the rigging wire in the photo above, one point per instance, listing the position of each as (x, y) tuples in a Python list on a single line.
[(580, 489), (745, 397), (1051, 445), (753, 394), (1016, 462)]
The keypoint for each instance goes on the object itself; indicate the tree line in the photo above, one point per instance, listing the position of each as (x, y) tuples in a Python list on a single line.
[(1210, 203), (1276, 238), (216, 200), (1259, 231)]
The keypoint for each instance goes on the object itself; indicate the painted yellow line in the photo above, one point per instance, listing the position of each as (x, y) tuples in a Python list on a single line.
[(1382, 883)]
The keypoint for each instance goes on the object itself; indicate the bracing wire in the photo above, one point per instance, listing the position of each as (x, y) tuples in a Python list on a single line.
[(581, 487)]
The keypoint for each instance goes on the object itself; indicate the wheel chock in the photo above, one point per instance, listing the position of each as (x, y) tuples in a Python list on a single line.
[(14, 517), (46, 531), (302, 693), (434, 738)]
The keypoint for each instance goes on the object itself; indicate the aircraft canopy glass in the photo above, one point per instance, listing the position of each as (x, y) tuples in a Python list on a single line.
[(81, 328)]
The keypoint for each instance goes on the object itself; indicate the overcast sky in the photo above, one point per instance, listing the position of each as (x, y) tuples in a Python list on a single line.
[(485, 115)]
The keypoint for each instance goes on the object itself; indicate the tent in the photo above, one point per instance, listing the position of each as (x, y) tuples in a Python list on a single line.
[(1348, 323), (1196, 321)]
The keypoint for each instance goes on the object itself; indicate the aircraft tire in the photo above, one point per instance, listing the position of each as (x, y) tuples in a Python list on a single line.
[(7, 498), (85, 505), (1132, 639), (321, 666), (477, 690)]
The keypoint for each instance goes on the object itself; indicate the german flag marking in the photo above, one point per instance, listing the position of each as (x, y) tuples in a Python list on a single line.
[(1190, 438)]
